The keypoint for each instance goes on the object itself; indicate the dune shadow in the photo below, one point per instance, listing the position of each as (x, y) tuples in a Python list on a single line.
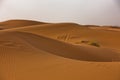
[(68, 50)]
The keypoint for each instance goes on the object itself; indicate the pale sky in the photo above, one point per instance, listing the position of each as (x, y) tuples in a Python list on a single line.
[(100, 12)]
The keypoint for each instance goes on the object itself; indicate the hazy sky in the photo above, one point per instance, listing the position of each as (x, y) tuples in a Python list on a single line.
[(101, 12)]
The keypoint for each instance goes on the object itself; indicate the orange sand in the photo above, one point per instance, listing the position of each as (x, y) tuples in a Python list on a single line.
[(32, 50)]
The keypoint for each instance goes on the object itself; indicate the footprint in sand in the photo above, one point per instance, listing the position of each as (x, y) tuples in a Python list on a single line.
[(64, 37)]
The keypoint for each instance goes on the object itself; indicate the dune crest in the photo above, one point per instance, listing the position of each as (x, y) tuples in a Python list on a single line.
[(18, 23)]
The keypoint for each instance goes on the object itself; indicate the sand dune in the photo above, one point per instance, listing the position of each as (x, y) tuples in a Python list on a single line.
[(55, 52), (74, 33), (18, 23)]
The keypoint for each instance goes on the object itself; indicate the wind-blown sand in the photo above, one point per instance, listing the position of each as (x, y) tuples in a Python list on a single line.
[(31, 50)]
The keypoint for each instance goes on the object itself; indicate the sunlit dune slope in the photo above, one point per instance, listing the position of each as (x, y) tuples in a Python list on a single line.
[(74, 33), (18, 23)]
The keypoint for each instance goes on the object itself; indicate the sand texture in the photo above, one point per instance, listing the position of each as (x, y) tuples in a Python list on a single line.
[(32, 50)]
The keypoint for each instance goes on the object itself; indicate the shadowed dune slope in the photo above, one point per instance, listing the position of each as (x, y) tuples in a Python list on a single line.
[(85, 53), (68, 50), (18, 23)]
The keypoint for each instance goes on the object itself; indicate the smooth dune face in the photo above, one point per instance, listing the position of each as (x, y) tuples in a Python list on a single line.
[(31, 50), (18, 23)]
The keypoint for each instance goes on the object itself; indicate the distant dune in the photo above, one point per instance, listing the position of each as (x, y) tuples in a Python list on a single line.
[(18, 23), (32, 50)]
